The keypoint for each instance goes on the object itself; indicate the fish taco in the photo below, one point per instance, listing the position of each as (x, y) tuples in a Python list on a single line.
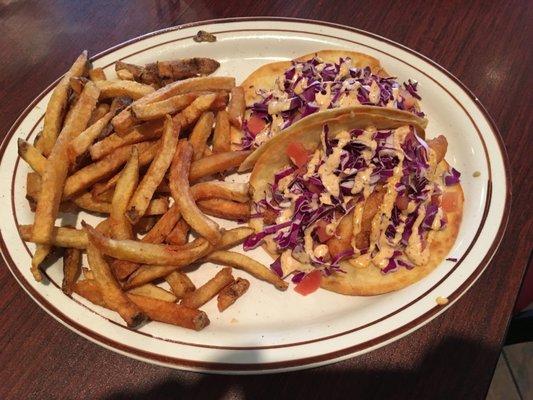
[(357, 203)]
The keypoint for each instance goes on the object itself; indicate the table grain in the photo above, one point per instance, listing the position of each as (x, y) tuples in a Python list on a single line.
[(486, 44)]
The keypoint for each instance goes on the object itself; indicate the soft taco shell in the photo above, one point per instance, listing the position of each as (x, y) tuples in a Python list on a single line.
[(369, 280)]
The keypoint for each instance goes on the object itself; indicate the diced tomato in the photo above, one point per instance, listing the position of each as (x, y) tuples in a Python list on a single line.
[(269, 216), (435, 200), (309, 283), (402, 202), (450, 201), (256, 124), (297, 153), (321, 232), (313, 188)]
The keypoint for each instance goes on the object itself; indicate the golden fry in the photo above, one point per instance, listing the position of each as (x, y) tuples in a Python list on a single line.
[(148, 273), (84, 140), (110, 289), (92, 173), (231, 293), (71, 269), (41, 252), (191, 113), (225, 209), (156, 172), (216, 163), (245, 263), (32, 156), (171, 313), (208, 290), (179, 234), (126, 185), (134, 90), (163, 226), (124, 74), (145, 158), (200, 134), (147, 131), (100, 110), (57, 105), (61, 237), (159, 109), (221, 135), (222, 190), (154, 292), (180, 284), (97, 74), (56, 170), (148, 253), (236, 106), (179, 187)]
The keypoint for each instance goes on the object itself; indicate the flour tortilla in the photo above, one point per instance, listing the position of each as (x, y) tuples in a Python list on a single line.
[(356, 281), (264, 78)]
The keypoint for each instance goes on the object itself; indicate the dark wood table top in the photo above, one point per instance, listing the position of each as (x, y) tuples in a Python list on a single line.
[(486, 44)]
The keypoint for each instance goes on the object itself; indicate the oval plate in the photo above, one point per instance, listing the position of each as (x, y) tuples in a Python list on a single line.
[(270, 331)]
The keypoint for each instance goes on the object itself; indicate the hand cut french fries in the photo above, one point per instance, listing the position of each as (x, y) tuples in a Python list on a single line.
[(216, 163), (154, 292), (145, 158), (126, 184), (71, 269), (148, 273), (83, 141), (225, 209), (41, 252), (125, 119), (191, 113), (156, 172), (159, 109), (221, 190), (179, 234), (32, 156), (236, 106), (156, 310), (56, 170), (100, 110), (245, 263), (231, 293), (179, 187), (148, 131), (134, 90), (180, 284), (124, 74), (208, 290), (97, 74), (221, 135), (110, 289), (200, 134), (92, 173), (148, 253), (57, 105), (90, 157)]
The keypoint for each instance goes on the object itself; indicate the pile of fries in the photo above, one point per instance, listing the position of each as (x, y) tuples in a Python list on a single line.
[(148, 151)]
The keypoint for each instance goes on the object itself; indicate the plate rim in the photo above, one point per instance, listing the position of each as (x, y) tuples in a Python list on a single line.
[(287, 364)]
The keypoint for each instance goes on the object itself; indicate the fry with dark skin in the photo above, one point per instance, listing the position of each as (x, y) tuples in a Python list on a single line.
[(179, 234), (110, 289), (71, 269), (208, 290), (231, 293)]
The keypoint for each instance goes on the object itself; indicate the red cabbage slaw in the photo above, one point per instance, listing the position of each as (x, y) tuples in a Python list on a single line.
[(312, 85), (299, 192)]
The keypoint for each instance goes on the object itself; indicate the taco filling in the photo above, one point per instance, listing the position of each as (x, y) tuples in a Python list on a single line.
[(315, 85), (364, 198)]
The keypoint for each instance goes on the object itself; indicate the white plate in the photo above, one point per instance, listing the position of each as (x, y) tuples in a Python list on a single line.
[(269, 330)]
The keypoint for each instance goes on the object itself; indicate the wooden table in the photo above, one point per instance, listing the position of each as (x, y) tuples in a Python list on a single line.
[(484, 43)]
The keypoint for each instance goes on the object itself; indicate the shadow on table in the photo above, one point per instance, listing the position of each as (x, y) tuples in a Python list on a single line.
[(438, 376)]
